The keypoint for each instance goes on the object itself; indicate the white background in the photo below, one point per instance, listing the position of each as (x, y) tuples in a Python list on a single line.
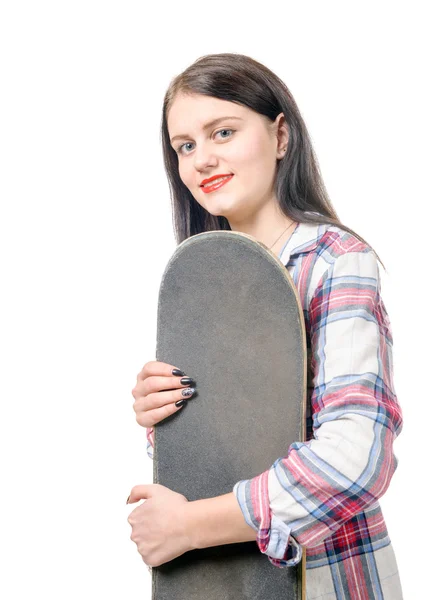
[(86, 232)]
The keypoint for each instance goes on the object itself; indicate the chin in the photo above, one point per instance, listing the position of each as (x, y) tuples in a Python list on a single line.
[(222, 207), (214, 209)]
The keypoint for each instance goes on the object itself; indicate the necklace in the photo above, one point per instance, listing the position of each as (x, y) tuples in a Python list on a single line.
[(281, 234)]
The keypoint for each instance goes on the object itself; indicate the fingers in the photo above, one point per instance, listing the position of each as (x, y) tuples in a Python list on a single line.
[(156, 367), (154, 416), (153, 408), (157, 384), (157, 390), (159, 399)]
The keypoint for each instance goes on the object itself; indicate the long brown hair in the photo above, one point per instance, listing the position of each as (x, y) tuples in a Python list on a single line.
[(299, 186)]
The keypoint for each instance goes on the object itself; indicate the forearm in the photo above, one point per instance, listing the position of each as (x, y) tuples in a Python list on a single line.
[(212, 521), (216, 521), (322, 483)]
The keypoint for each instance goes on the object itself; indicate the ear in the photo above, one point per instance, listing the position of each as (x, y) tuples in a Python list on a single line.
[(282, 133)]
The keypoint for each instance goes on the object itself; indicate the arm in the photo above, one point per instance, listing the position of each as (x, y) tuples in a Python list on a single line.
[(348, 465), (305, 497), (223, 510)]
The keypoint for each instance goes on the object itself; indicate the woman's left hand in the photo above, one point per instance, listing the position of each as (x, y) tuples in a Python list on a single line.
[(159, 526)]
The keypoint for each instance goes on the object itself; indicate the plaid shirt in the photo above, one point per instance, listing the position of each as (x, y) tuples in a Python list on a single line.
[(324, 494)]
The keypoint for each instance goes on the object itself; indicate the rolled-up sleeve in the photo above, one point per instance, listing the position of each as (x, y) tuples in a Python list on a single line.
[(306, 496)]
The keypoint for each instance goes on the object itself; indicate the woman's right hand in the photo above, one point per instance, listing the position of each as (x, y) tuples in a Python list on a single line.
[(156, 391)]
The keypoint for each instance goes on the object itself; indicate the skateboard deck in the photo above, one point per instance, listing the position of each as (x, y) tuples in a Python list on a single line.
[(229, 316)]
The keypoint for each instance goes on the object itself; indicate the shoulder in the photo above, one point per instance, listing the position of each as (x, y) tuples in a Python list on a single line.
[(326, 252), (343, 254), (346, 273)]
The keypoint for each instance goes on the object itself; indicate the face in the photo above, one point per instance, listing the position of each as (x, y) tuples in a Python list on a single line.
[(242, 145)]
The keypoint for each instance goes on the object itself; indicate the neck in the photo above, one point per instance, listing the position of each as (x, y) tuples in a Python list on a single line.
[(266, 226)]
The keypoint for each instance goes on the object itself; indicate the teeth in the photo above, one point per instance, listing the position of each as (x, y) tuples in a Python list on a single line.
[(216, 181)]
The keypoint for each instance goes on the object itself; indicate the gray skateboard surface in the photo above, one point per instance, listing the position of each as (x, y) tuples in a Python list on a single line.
[(230, 318)]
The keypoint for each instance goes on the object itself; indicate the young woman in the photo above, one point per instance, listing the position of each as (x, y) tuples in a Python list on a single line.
[(229, 119)]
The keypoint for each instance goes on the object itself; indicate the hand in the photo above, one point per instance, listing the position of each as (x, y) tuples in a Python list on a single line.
[(159, 525), (153, 404)]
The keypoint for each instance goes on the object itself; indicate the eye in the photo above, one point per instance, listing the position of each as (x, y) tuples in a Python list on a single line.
[(222, 130), (179, 149)]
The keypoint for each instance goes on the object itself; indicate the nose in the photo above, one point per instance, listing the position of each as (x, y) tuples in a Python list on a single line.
[(204, 157)]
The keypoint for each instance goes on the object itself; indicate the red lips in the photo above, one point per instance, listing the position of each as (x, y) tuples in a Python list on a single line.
[(216, 184), (215, 177)]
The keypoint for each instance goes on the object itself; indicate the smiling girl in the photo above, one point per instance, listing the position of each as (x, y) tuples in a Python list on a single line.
[(238, 156)]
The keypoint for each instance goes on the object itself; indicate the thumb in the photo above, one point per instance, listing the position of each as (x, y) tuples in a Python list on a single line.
[(140, 492)]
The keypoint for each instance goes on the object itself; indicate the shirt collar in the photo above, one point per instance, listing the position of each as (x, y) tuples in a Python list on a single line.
[(304, 238)]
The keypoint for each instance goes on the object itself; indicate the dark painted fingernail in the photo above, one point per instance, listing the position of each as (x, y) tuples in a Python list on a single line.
[(178, 372), (181, 402), (186, 380)]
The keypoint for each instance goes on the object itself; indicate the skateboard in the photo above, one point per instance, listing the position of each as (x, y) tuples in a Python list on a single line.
[(230, 317)]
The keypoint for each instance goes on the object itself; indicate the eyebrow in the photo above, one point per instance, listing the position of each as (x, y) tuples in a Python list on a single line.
[(206, 126)]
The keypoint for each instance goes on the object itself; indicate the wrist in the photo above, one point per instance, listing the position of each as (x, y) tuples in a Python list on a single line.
[(190, 527)]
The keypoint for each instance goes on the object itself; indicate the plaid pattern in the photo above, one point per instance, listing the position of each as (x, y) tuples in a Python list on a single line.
[(324, 494)]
